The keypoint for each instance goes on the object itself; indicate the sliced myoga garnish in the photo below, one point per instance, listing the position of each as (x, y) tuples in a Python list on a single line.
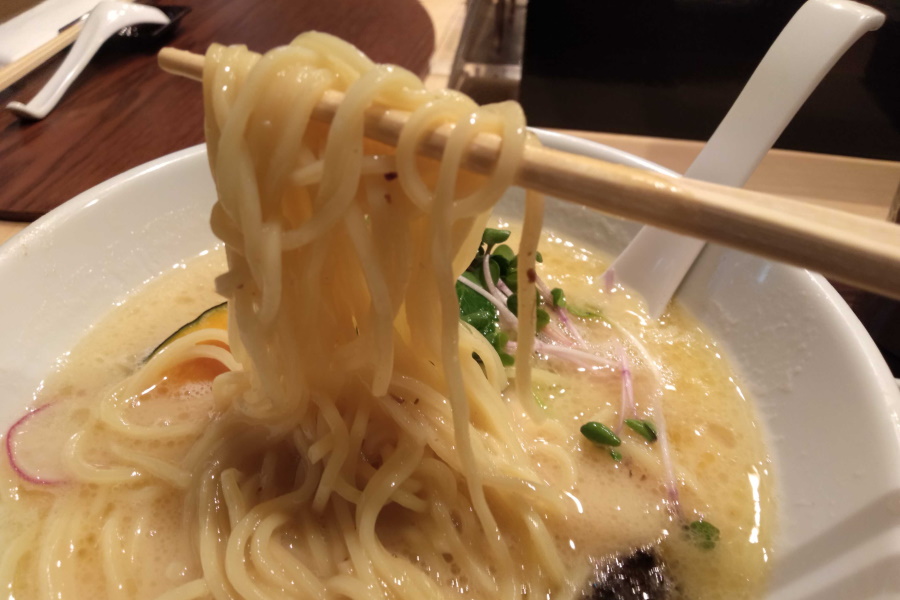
[(32, 455)]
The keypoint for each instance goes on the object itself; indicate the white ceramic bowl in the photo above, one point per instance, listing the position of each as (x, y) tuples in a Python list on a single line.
[(824, 391)]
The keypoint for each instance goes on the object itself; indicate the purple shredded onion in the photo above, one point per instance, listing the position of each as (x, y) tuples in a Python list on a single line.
[(628, 404), (573, 355), (563, 314)]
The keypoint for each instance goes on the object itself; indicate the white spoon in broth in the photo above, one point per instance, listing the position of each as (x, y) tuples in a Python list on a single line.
[(655, 261)]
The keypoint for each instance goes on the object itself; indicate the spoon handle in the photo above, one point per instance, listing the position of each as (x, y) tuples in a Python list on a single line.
[(656, 261), (104, 21), (805, 51)]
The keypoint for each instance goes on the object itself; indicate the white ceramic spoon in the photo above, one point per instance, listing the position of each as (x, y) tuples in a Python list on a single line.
[(655, 261), (105, 20)]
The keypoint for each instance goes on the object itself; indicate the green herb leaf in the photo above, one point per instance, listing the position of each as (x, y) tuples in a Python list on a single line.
[(512, 303), (473, 277), (559, 297), (471, 301), (512, 279), (703, 534), (475, 309), (646, 429), (600, 434), (584, 313), (494, 236), (543, 318), (504, 251), (538, 257), (616, 455), (508, 360), (502, 263), (498, 340), (480, 319)]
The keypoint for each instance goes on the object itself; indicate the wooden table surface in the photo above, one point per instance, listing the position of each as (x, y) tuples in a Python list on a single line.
[(123, 111)]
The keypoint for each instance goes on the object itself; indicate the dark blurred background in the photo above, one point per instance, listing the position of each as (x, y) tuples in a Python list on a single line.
[(672, 68)]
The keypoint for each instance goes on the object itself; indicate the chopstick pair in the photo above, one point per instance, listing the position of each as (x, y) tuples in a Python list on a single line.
[(853, 249)]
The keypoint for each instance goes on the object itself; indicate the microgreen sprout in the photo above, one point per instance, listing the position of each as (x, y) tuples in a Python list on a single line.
[(492, 237), (703, 534), (559, 297), (504, 251), (489, 303), (600, 434), (512, 303), (584, 313), (644, 428)]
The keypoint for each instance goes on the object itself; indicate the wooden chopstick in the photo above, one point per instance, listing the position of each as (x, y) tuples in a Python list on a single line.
[(18, 69), (857, 250)]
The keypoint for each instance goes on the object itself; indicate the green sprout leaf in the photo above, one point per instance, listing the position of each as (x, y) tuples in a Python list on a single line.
[(584, 313), (616, 455), (498, 340), (644, 428), (471, 301), (512, 303), (472, 277), (504, 251), (543, 318), (600, 434), (703, 534), (479, 319), (475, 309), (502, 265), (559, 297), (492, 236)]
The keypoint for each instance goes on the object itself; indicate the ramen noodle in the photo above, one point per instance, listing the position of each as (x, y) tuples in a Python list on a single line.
[(396, 402)]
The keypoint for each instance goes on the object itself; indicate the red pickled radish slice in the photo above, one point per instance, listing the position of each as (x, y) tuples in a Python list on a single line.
[(34, 451)]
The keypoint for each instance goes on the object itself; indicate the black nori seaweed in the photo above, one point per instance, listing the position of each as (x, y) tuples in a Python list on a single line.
[(641, 575)]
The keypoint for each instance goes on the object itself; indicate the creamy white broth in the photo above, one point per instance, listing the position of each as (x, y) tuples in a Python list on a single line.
[(113, 349), (719, 455), (718, 446)]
